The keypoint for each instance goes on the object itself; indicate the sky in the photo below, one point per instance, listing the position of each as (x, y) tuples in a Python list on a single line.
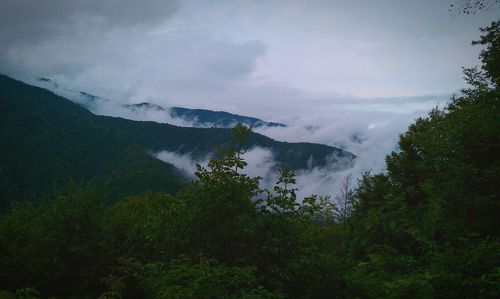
[(223, 54), (363, 67)]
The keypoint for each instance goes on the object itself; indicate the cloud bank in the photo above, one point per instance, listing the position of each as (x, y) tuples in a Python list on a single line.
[(123, 50), (369, 128), (351, 74), (319, 180), (239, 56)]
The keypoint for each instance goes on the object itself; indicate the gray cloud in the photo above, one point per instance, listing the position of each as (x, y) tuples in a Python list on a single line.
[(32, 18), (120, 49), (312, 64), (369, 128), (55, 37), (376, 140), (210, 54)]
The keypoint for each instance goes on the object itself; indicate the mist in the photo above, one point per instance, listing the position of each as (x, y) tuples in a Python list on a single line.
[(368, 128), (322, 181), (355, 85)]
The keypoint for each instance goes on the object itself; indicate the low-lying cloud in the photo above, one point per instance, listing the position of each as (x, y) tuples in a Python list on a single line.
[(260, 163), (324, 180), (368, 128), (250, 58)]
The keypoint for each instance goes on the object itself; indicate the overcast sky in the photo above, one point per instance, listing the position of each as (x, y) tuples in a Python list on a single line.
[(226, 54), (329, 69)]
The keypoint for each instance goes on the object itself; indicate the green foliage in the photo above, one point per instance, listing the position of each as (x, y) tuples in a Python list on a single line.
[(204, 278), (25, 293), (427, 228), (222, 235), (284, 199), (491, 55), (47, 142)]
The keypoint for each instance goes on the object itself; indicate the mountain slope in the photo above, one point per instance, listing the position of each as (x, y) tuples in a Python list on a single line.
[(46, 141), (198, 118), (200, 142), (218, 119)]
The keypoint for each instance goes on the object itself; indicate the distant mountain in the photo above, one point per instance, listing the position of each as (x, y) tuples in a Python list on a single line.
[(198, 118), (218, 119), (47, 141), (203, 118), (144, 106), (200, 142)]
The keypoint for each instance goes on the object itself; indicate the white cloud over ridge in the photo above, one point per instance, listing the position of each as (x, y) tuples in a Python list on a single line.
[(368, 140), (319, 180), (328, 69), (368, 128), (260, 163)]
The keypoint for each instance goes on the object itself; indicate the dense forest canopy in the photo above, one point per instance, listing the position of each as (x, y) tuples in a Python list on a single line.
[(427, 228)]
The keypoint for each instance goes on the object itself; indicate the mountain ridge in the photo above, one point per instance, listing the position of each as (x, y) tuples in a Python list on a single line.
[(219, 119), (199, 118), (48, 141)]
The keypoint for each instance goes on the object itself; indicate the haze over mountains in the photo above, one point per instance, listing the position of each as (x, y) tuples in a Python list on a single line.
[(254, 59), (48, 141), (371, 169), (368, 128), (200, 118)]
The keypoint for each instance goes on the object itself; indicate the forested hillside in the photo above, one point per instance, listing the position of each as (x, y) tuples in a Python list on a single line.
[(427, 228), (200, 142), (48, 143)]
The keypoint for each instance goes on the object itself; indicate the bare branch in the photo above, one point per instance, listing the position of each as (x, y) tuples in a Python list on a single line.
[(471, 7)]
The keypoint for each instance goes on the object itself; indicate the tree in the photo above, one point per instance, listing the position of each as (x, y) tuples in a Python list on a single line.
[(429, 226), (491, 55), (344, 201)]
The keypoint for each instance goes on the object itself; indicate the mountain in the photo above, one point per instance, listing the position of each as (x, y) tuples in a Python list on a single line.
[(144, 106), (199, 118), (46, 141), (218, 119), (200, 142), (203, 118)]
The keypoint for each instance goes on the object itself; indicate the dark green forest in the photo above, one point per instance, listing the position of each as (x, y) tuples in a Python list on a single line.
[(426, 228)]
